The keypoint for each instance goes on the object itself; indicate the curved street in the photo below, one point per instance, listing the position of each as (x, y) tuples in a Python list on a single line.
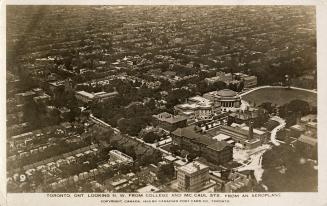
[(277, 87), (282, 124), (255, 155)]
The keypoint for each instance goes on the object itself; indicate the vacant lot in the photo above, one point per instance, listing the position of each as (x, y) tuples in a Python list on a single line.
[(280, 96)]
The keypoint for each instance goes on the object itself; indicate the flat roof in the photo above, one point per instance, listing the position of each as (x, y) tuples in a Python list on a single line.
[(310, 117), (221, 137), (201, 100), (180, 162), (86, 94), (202, 138), (147, 189), (297, 127), (170, 158), (256, 131), (312, 124), (193, 167), (28, 93), (308, 140), (22, 135), (105, 94), (57, 83), (121, 181), (165, 116)]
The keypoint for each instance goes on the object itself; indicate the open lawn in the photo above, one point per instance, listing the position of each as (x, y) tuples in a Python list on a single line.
[(280, 96)]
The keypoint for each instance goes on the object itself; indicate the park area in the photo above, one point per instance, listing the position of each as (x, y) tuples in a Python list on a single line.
[(280, 96), (287, 170)]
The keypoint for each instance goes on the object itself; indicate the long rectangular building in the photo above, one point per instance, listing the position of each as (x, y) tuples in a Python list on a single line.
[(189, 138)]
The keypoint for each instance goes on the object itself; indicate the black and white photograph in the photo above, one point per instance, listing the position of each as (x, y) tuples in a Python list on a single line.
[(161, 99)]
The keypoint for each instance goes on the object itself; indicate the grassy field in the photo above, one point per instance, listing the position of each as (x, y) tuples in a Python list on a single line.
[(280, 96)]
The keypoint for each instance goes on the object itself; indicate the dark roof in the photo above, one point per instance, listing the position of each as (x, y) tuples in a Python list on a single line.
[(202, 138), (237, 132), (226, 93)]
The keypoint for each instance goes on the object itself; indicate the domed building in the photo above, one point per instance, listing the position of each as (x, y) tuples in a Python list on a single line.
[(227, 99)]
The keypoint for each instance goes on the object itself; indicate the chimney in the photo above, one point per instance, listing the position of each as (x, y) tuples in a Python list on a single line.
[(251, 130), (197, 166), (298, 119)]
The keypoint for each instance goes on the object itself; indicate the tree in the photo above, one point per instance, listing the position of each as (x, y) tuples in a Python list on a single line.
[(151, 137), (267, 106), (166, 172), (132, 126), (105, 135), (219, 85), (153, 158), (240, 86), (262, 118), (299, 106), (175, 149), (202, 87), (130, 151), (165, 85), (191, 156), (232, 86), (124, 168)]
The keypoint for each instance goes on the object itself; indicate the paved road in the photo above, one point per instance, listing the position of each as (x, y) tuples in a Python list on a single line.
[(282, 124), (255, 163), (277, 87)]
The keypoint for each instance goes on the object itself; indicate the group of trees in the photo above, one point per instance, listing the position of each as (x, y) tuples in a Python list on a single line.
[(151, 137), (294, 110), (290, 111), (288, 158), (166, 173), (142, 155), (128, 111)]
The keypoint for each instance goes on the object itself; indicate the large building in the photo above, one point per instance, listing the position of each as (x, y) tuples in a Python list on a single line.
[(249, 81), (116, 155), (236, 78), (245, 136), (193, 177), (309, 122), (197, 108), (59, 86), (240, 117), (306, 132), (193, 139), (227, 99), (87, 97), (231, 181), (170, 122), (220, 77)]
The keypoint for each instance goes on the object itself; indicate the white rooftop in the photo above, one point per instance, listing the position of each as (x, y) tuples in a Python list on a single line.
[(86, 94), (180, 162), (170, 158), (201, 100), (147, 189), (193, 167), (221, 137), (256, 131)]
